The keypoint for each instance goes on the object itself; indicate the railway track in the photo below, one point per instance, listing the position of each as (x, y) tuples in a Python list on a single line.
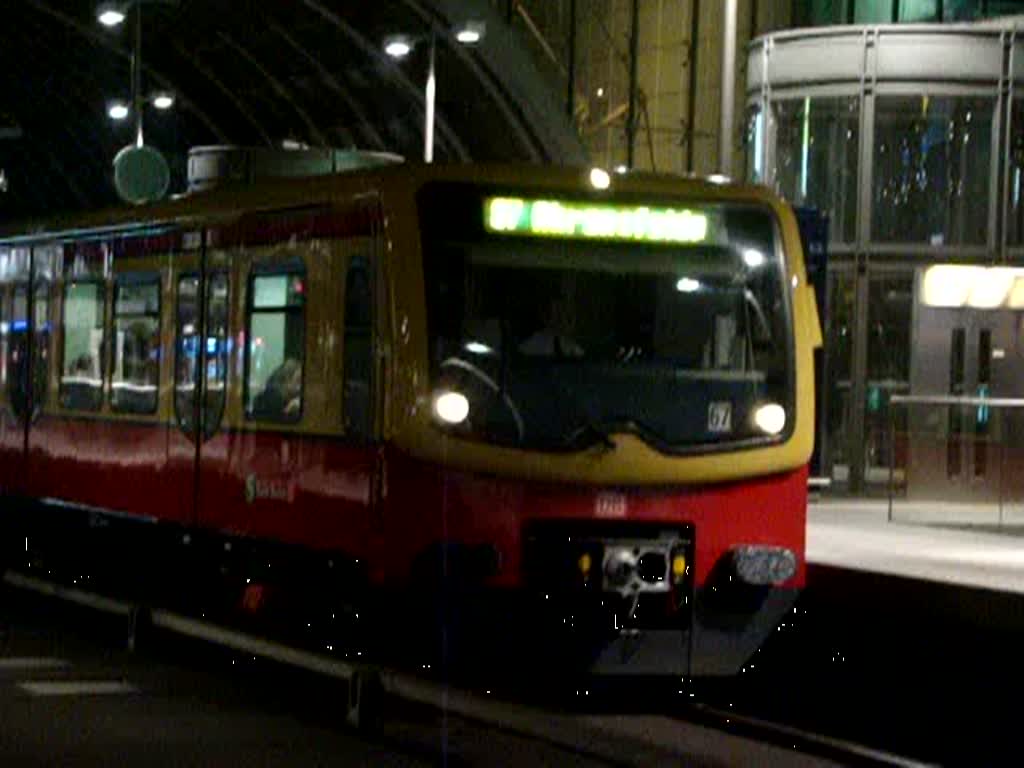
[(595, 727)]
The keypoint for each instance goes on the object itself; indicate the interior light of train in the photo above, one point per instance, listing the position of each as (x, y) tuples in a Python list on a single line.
[(688, 285), (451, 407), (561, 218), (478, 348), (753, 258), (599, 178), (770, 418)]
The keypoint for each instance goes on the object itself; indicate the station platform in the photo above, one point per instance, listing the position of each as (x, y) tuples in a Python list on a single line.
[(856, 534)]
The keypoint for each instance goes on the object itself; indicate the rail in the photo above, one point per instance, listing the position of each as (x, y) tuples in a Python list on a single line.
[(956, 460)]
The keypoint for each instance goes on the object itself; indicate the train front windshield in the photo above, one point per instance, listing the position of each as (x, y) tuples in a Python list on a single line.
[(552, 329)]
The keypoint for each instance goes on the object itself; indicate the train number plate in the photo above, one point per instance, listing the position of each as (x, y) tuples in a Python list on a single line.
[(610, 505), (720, 417)]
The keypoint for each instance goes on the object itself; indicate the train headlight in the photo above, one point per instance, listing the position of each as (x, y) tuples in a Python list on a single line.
[(770, 418), (764, 565), (451, 407)]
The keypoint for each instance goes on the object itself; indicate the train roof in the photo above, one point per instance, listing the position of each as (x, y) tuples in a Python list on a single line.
[(237, 197)]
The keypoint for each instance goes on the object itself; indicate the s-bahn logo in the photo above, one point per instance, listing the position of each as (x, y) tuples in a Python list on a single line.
[(720, 416), (264, 488), (610, 505)]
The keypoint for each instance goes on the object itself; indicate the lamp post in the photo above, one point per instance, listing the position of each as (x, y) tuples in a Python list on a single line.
[(141, 173), (113, 15), (400, 46)]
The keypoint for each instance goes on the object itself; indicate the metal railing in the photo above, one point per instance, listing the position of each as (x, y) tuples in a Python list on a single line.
[(956, 460)]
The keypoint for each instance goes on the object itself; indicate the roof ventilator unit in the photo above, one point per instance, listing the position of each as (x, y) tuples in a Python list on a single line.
[(209, 167)]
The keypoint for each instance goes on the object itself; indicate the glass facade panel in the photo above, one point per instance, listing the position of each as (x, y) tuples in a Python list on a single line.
[(816, 157), (817, 13), (931, 169), (753, 142), (874, 11), (890, 307), (839, 332), (919, 10), (1015, 204)]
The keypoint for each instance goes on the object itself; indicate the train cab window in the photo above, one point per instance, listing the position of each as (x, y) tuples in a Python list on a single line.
[(358, 350), (276, 349), (81, 383), (136, 363)]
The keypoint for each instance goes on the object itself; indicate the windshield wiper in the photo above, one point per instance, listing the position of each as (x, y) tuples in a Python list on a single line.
[(589, 434)]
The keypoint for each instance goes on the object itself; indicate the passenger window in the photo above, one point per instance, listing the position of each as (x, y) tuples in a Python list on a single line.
[(358, 351), (276, 349), (136, 366), (81, 384)]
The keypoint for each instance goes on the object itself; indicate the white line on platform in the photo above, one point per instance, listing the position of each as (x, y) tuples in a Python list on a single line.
[(31, 662), (77, 688)]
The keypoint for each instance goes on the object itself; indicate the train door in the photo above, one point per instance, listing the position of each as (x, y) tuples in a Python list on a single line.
[(293, 462), (201, 338), (14, 367)]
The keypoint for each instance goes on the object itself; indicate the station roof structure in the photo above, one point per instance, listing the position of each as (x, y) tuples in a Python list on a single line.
[(258, 73)]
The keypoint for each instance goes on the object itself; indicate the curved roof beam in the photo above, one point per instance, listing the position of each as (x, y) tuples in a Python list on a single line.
[(374, 52), (279, 89), (508, 71), (226, 92), (332, 82), (512, 120), (75, 104), (98, 38)]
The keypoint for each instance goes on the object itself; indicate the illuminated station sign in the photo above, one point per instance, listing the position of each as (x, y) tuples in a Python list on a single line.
[(590, 221)]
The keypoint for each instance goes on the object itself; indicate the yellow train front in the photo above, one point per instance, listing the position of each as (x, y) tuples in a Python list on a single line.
[(464, 405), (602, 414)]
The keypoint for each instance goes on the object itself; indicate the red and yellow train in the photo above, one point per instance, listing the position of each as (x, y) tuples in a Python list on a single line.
[(502, 389)]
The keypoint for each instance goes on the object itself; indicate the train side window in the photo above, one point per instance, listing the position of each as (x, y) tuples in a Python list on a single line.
[(276, 350), (358, 350), (81, 383), (135, 375)]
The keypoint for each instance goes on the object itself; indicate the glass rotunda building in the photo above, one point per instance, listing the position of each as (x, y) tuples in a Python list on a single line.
[(910, 138)]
